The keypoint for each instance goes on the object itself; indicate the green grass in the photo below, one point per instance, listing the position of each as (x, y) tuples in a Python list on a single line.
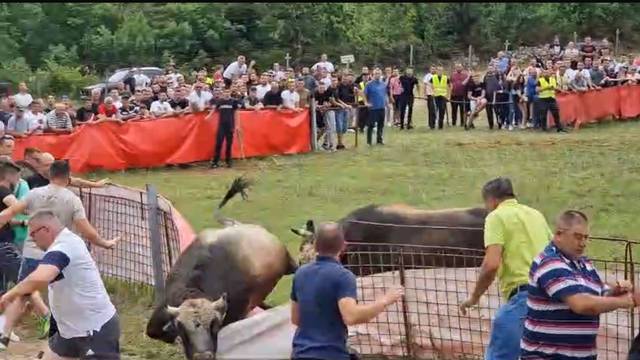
[(595, 168)]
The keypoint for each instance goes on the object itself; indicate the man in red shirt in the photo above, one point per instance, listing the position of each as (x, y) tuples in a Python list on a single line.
[(459, 80), (107, 111)]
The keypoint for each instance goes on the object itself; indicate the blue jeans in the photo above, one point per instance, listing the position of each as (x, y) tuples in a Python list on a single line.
[(507, 328), (341, 121)]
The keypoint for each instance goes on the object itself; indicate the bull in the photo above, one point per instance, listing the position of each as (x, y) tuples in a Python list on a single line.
[(437, 238), (218, 280)]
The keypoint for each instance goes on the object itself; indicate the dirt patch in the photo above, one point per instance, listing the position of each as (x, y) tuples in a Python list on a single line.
[(545, 143)]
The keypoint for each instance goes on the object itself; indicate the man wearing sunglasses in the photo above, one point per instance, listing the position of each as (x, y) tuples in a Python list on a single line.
[(88, 325), (68, 209), (567, 296)]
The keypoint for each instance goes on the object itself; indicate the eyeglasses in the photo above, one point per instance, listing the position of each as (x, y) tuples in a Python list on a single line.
[(34, 232)]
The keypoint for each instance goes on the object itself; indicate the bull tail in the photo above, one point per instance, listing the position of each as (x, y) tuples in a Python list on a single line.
[(238, 186)]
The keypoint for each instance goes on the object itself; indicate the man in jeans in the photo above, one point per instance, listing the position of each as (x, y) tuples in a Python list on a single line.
[(376, 99), (459, 80), (514, 234), (323, 301)]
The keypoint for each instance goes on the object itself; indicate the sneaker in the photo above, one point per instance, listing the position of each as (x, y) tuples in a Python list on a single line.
[(214, 165), (43, 326), (4, 343), (229, 164), (409, 127), (351, 130), (510, 127), (340, 147)]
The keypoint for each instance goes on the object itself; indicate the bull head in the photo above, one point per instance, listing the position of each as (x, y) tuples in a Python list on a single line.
[(307, 246), (198, 322)]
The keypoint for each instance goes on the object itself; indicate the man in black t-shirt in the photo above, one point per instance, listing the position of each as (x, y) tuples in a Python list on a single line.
[(179, 103), (227, 109), (9, 177), (477, 99), (409, 82), (273, 98), (86, 112)]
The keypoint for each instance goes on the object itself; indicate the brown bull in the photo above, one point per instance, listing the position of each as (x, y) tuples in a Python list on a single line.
[(218, 280), (437, 238)]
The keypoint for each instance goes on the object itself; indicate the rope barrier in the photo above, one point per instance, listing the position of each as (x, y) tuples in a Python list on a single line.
[(435, 227)]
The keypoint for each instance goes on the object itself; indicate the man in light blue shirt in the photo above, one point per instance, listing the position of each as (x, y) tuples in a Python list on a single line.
[(376, 99)]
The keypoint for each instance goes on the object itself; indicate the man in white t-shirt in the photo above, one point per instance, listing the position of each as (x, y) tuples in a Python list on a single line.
[(161, 107), (323, 63), (88, 324), (142, 80), (325, 77), (290, 98), (199, 98), (263, 87), (235, 70), (37, 118), (23, 98)]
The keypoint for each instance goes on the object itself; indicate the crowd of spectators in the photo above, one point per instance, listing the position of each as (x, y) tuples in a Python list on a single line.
[(508, 92)]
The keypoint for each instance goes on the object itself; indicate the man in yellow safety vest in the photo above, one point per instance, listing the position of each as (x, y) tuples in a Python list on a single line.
[(441, 90), (546, 88)]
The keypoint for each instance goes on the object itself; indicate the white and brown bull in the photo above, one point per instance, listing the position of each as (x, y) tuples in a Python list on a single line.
[(438, 238), (218, 280)]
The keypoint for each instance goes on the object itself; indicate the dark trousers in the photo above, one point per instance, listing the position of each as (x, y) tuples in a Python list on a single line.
[(376, 118), (546, 105), (406, 105), (363, 117), (441, 106), (490, 112), (458, 102), (225, 133), (431, 106)]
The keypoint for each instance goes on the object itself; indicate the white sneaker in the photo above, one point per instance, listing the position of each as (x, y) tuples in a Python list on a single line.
[(510, 127)]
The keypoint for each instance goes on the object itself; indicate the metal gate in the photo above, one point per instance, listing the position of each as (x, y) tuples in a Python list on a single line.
[(426, 324)]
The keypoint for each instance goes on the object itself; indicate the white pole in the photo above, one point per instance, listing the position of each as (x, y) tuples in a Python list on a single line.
[(410, 55)]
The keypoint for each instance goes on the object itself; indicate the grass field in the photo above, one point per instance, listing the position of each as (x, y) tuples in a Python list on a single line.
[(595, 169)]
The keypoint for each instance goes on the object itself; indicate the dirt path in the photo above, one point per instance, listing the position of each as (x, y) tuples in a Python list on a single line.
[(27, 349)]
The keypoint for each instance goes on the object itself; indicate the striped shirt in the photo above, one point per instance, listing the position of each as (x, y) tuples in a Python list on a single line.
[(552, 330), (60, 122)]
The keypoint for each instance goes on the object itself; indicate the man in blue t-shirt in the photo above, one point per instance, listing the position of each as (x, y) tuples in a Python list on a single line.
[(323, 301), (375, 94)]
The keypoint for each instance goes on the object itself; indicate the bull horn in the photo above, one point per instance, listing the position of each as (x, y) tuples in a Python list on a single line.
[(173, 311)]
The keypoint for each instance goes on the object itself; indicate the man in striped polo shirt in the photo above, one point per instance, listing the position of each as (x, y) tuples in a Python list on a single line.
[(567, 296)]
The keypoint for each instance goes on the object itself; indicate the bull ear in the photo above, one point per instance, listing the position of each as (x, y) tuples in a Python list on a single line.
[(311, 227), (221, 303), (296, 231)]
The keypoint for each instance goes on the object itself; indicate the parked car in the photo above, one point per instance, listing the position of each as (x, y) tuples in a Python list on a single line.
[(121, 75)]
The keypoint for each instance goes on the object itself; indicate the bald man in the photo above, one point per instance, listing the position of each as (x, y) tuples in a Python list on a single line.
[(58, 120), (323, 300)]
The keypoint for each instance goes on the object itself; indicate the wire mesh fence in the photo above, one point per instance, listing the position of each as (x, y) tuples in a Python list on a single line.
[(118, 211), (126, 213), (427, 324)]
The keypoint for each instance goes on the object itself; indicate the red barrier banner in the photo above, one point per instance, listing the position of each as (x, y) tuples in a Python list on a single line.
[(619, 102), (173, 140)]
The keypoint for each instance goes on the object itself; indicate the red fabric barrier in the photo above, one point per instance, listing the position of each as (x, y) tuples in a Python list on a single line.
[(619, 102), (629, 101), (174, 140)]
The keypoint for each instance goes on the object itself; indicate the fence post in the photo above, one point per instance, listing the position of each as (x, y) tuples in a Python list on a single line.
[(314, 128), (405, 311), (155, 239)]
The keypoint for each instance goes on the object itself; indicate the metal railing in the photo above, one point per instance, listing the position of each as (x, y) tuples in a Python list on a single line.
[(427, 324)]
